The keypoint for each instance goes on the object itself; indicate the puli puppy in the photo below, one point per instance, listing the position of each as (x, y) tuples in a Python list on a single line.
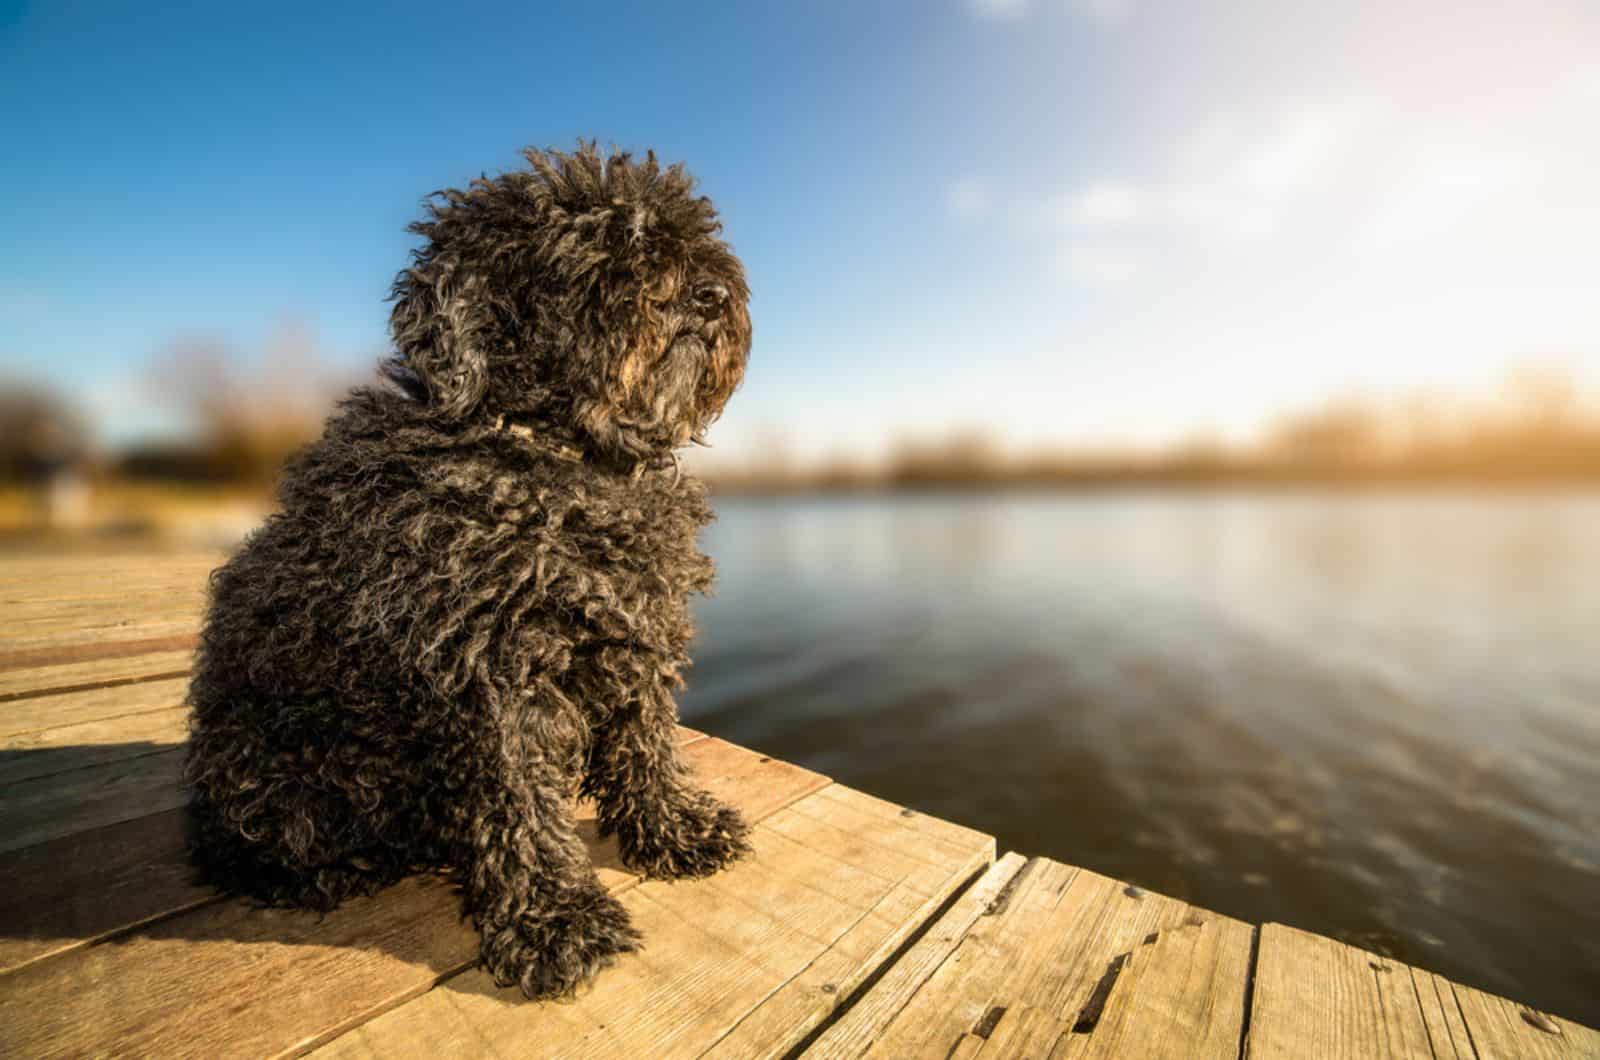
[(473, 602)]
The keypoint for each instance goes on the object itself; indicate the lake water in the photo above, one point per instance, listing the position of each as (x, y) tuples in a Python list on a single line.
[(1372, 716)]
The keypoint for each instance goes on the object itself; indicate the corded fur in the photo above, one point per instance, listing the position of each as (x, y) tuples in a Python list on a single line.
[(473, 602)]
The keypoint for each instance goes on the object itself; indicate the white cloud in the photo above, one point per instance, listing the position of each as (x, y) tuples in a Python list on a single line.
[(1100, 267), (1221, 210), (1105, 12), (1103, 203), (967, 198), (999, 8), (1586, 82), (1443, 192), (1292, 157)]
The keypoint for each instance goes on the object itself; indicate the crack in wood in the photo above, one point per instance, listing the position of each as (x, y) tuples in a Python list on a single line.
[(91, 686), (999, 902), (1249, 989), (991, 1019), (1089, 1016)]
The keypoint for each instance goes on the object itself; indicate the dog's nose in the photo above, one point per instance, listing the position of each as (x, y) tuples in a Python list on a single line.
[(711, 295)]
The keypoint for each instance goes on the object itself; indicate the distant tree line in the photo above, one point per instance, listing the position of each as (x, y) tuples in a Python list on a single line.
[(1537, 429), (245, 420)]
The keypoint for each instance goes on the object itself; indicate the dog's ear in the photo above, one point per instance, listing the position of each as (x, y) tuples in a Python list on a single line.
[(442, 329)]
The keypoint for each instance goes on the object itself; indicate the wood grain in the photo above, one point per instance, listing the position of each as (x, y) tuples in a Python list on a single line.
[(1315, 996), (68, 892), (856, 1030), (1070, 963), (39, 713), (41, 754), (31, 681), (70, 653), (45, 808)]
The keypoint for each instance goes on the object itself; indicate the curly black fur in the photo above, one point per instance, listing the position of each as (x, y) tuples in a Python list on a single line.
[(474, 600)]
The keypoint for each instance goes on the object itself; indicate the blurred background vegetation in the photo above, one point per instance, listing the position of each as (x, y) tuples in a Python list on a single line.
[(242, 417)]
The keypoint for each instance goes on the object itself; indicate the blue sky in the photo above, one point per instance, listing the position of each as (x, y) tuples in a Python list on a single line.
[(1073, 221)]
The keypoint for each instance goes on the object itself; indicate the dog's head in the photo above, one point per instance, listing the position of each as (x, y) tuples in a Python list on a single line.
[(587, 290)]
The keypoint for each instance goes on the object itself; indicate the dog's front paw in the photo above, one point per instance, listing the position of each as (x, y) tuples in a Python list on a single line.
[(696, 837), (549, 950)]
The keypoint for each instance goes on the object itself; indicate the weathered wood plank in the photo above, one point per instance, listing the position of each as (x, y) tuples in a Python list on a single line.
[(1166, 999), (1076, 963), (1497, 1027), (35, 811), (26, 579), (33, 617), (93, 674), (745, 963), (1447, 1031), (867, 946), (118, 647), (859, 1026), (39, 713), (1315, 996), (226, 979), (68, 892), (1312, 993), (71, 890), (70, 747), (73, 609), (29, 648)]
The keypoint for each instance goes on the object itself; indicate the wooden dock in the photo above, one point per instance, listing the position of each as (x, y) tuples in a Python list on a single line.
[(857, 928)]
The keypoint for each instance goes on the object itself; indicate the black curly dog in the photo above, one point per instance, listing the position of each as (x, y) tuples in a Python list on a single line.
[(473, 602)]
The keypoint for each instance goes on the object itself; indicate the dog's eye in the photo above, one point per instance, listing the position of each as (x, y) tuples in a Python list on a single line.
[(710, 295)]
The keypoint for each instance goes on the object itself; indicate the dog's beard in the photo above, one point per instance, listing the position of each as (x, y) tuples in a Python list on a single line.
[(679, 384), (668, 412)]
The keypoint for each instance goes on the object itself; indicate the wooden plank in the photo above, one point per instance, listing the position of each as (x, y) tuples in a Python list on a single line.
[(1315, 996), (96, 607), (848, 808), (92, 674), (55, 616), (226, 979), (807, 999), (74, 889), (856, 1029), (97, 648), (1441, 1012), (745, 963), (1318, 994), (88, 639), (76, 800), (229, 979), (29, 579), (1080, 965), (1168, 994), (68, 892), (1498, 1027), (35, 811), (39, 713), (70, 747)]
